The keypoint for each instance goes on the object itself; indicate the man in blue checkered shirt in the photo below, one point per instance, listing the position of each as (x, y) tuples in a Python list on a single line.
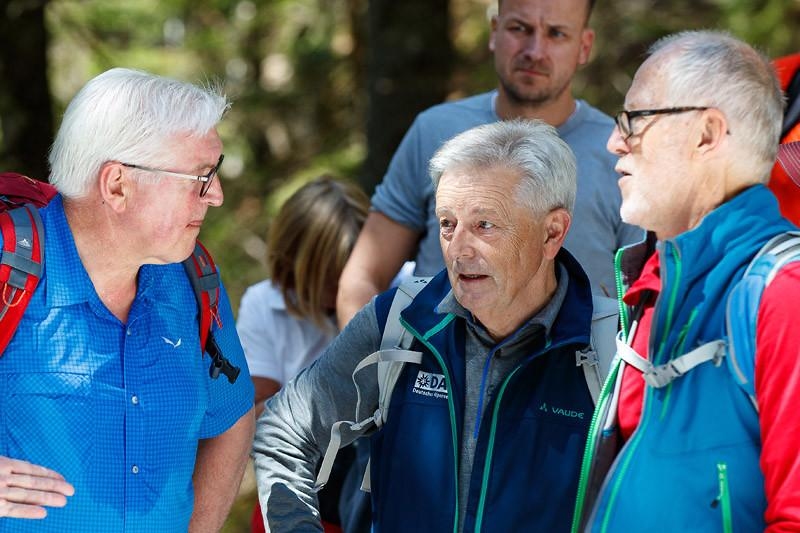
[(109, 419)]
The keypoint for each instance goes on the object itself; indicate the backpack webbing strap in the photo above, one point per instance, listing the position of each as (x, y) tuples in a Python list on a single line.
[(204, 278), (662, 375), (741, 311), (20, 266), (205, 281), (597, 356), (398, 356), (391, 358)]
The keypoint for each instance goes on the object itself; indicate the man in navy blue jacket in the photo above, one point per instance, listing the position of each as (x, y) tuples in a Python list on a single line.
[(486, 432)]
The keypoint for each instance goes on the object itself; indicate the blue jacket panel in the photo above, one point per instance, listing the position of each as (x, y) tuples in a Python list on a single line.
[(698, 440), (531, 436)]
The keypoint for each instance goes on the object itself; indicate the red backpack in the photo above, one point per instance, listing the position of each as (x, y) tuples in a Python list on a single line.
[(23, 256)]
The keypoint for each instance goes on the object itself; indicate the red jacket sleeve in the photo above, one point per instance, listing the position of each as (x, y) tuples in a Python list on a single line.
[(777, 384)]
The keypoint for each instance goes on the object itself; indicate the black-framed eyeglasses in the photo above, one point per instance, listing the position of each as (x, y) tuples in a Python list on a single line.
[(206, 179), (624, 119)]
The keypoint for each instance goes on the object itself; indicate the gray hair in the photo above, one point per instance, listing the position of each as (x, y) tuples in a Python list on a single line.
[(128, 116), (714, 69), (533, 148)]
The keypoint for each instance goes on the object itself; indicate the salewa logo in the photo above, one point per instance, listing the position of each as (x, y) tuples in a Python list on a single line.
[(25, 243), (171, 343), (428, 384), (561, 411)]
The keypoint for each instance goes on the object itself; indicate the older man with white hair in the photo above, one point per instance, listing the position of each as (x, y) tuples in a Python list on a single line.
[(111, 418), (697, 430), (496, 410)]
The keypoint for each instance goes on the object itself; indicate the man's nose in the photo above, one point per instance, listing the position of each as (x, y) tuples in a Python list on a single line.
[(214, 196), (460, 244), (535, 45), (616, 143)]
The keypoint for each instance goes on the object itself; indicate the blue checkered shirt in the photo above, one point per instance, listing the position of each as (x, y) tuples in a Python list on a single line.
[(116, 408)]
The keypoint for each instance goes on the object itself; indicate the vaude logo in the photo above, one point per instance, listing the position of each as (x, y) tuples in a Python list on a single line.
[(428, 384), (560, 411)]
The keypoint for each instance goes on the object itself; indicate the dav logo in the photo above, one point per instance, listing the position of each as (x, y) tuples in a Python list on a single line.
[(428, 384)]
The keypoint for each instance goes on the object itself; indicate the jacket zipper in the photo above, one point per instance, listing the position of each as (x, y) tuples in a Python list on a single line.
[(724, 498), (628, 450), (591, 444), (492, 434), (451, 406)]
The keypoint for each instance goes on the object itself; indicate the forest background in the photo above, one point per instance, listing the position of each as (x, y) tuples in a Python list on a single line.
[(319, 86)]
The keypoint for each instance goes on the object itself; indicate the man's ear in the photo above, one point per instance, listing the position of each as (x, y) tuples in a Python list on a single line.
[(556, 225), (587, 40), (114, 184), (492, 33), (712, 130)]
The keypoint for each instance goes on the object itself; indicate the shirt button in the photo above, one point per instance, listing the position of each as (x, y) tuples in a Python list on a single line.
[(135, 469), (135, 400), (128, 332)]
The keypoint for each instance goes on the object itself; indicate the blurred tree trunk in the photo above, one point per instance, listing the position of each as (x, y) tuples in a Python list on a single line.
[(408, 68), (25, 111)]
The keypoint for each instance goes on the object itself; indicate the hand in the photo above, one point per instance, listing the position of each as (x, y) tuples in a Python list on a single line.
[(26, 488)]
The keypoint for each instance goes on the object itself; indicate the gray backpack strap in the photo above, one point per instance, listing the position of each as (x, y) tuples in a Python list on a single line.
[(596, 358), (744, 301), (390, 360)]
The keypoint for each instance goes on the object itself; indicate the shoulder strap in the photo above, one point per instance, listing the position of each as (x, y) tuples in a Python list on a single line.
[(20, 266), (396, 337), (390, 358), (204, 278), (596, 358), (743, 302)]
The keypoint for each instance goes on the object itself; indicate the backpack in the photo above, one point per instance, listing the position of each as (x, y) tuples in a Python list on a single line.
[(741, 312), (23, 256), (394, 354)]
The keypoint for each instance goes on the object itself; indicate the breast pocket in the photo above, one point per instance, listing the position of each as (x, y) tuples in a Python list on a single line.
[(47, 417)]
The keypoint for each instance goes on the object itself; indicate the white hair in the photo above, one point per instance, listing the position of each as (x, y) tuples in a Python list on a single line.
[(714, 69), (128, 116), (546, 164)]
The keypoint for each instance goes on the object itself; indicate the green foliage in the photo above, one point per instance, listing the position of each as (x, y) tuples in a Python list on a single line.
[(295, 70)]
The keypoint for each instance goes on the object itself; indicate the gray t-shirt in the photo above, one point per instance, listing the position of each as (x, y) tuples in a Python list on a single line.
[(406, 193)]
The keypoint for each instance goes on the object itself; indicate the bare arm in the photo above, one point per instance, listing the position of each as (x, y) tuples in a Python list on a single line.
[(380, 251), (26, 489), (265, 389), (218, 471)]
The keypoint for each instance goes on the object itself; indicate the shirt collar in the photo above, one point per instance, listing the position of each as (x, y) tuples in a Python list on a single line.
[(543, 319), (67, 282)]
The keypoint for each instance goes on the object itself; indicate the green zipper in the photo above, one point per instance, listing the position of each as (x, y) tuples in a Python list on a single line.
[(680, 346), (623, 309), (490, 451), (633, 444), (591, 443), (591, 439), (451, 406), (724, 498)]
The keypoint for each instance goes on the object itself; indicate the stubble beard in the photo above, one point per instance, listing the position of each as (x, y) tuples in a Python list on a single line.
[(532, 98)]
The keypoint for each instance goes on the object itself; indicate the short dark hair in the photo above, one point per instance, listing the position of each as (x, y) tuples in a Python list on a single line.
[(588, 14)]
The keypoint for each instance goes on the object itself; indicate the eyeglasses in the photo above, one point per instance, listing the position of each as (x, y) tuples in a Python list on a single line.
[(206, 179), (624, 119)]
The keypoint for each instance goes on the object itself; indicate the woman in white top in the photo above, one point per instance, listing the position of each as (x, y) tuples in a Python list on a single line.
[(287, 321)]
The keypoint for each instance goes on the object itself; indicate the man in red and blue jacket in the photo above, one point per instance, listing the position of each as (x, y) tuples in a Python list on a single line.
[(692, 453)]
